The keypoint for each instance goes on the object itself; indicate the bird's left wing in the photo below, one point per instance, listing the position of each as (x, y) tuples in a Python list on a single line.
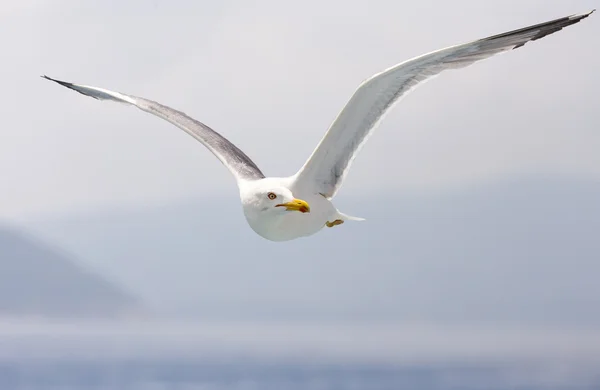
[(240, 165), (324, 171)]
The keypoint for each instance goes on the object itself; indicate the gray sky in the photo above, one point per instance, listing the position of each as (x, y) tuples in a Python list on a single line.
[(275, 74)]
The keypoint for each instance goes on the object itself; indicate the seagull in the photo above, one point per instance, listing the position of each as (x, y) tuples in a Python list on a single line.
[(287, 208)]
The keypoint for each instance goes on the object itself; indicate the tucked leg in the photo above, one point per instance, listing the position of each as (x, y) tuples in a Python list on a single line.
[(334, 223)]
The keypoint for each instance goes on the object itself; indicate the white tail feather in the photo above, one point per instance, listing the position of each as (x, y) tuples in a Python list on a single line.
[(349, 217)]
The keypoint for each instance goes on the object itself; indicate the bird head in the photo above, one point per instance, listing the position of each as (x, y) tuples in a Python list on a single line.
[(273, 200), (268, 206)]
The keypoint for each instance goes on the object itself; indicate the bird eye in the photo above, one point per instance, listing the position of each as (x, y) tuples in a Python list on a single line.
[(271, 195)]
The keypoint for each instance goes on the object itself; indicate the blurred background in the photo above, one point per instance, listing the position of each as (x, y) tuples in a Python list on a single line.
[(126, 261)]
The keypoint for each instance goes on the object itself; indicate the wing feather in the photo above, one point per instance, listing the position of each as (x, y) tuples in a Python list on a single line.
[(240, 165), (326, 168)]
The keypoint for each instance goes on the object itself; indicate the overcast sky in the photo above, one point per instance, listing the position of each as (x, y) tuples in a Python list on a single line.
[(271, 77)]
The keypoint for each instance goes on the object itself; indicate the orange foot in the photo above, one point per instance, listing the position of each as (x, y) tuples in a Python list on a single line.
[(334, 223)]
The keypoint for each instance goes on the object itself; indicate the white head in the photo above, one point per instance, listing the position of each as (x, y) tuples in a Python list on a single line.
[(267, 203)]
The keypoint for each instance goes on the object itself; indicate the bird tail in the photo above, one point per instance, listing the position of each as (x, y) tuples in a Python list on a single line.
[(349, 217)]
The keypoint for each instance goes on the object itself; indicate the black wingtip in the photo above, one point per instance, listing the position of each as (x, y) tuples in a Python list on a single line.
[(67, 85), (56, 81), (542, 29), (49, 78)]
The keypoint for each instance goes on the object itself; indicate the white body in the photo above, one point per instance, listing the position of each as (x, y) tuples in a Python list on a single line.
[(322, 211), (281, 209)]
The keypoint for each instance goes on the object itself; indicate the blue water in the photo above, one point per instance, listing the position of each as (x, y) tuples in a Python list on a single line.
[(183, 374), (144, 355)]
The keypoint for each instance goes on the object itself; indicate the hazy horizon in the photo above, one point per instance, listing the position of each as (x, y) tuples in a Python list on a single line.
[(518, 251)]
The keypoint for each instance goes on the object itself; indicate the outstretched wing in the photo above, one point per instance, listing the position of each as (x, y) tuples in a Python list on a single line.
[(324, 171), (242, 167)]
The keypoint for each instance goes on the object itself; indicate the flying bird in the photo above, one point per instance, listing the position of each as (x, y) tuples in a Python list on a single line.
[(286, 208)]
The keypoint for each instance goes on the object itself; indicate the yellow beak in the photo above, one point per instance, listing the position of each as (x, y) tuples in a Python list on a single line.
[(296, 205)]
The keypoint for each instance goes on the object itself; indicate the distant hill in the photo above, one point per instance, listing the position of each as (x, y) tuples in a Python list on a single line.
[(515, 250), (39, 280)]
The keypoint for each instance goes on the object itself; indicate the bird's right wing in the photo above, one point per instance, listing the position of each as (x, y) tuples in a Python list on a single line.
[(240, 165), (326, 168)]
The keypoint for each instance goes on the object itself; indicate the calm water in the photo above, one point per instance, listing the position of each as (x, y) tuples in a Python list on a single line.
[(141, 355), (190, 374)]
